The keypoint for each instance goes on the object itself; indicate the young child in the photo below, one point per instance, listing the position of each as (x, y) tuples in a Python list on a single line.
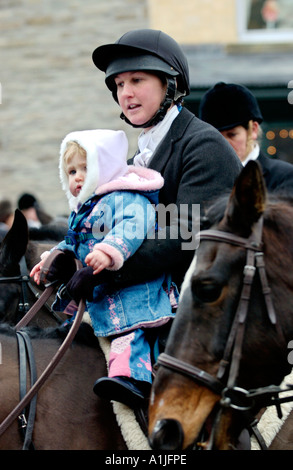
[(112, 212)]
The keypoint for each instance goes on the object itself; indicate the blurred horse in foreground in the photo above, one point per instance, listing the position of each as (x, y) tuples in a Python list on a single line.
[(227, 351)]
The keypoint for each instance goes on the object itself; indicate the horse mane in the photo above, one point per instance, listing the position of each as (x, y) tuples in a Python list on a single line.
[(84, 336), (51, 232), (214, 211)]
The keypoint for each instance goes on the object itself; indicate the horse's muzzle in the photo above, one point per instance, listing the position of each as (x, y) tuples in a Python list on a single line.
[(167, 435)]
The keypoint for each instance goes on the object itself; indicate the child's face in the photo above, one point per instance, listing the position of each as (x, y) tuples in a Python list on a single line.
[(76, 170)]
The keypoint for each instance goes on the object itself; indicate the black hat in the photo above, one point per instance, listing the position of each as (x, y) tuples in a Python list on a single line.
[(26, 201), (152, 51), (143, 49), (229, 105)]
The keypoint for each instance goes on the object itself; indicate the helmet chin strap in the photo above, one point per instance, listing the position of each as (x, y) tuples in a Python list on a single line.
[(162, 111)]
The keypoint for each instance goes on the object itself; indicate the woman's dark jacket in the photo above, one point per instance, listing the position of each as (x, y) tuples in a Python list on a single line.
[(198, 165), (278, 174)]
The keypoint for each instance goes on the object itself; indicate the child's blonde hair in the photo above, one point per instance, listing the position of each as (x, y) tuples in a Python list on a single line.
[(72, 147)]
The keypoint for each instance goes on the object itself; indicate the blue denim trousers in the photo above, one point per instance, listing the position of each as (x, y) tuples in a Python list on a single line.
[(130, 356)]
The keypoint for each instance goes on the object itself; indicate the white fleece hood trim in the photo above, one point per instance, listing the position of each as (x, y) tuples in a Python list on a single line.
[(106, 160)]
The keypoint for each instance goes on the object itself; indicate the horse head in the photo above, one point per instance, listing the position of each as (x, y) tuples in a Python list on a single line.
[(227, 338), (18, 292), (12, 249)]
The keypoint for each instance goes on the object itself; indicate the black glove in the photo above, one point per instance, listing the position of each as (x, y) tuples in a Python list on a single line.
[(62, 268), (83, 282)]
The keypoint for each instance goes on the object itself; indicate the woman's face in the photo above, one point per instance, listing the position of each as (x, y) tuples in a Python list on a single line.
[(238, 138), (140, 95)]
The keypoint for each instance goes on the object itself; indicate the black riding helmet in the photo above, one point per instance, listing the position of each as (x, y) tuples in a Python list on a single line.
[(229, 105), (148, 50)]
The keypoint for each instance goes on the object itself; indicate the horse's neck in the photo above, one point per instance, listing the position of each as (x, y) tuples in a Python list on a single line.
[(9, 362), (34, 251)]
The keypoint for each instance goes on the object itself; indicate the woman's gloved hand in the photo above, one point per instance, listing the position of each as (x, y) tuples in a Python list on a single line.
[(82, 284), (62, 267)]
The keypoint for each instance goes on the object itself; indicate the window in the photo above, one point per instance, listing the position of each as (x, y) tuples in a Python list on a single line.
[(265, 20), (277, 141)]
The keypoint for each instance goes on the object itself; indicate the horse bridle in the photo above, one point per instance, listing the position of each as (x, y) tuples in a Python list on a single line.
[(24, 281), (233, 396)]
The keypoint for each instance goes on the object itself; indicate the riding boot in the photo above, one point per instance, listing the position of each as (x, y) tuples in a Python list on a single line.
[(125, 390)]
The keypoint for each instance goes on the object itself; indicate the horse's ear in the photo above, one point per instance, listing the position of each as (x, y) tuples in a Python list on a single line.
[(14, 245), (248, 198)]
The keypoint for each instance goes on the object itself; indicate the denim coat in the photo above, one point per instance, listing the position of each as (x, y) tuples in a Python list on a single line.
[(119, 221)]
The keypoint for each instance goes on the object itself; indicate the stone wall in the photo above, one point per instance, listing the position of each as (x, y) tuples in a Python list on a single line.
[(51, 87)]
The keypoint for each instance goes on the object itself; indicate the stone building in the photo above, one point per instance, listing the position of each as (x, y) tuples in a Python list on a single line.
[(50, 87), (243, 41)]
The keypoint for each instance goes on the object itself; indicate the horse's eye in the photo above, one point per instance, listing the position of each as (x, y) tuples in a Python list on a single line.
[(206, 291)]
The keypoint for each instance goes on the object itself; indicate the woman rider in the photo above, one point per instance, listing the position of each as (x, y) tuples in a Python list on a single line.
[(148, 75)]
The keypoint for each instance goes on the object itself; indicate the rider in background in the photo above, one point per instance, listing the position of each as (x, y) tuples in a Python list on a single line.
[(31, 209), (234, 111), (6, 217)]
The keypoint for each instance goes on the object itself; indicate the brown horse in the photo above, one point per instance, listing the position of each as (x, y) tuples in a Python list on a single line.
[(18, 292), (69, 416), (227, 351)]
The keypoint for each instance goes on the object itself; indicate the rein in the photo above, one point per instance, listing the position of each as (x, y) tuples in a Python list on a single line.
[(232, 396), (24, 345), (26, 418)]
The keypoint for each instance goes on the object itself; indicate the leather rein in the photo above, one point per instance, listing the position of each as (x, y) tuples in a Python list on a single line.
[(231, 395)]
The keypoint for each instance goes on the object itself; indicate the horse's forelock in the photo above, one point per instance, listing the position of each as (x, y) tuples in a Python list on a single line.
[(277, 203), (214, 212)]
